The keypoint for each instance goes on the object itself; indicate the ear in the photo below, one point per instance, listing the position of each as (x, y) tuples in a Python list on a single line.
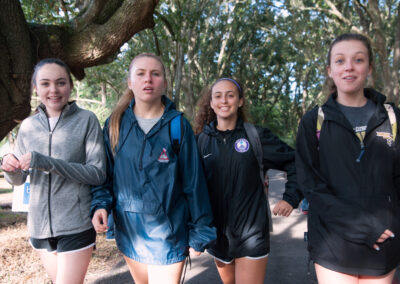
[(370, 70), (211, 104), (329, 71), (130, 84), (240, 102)]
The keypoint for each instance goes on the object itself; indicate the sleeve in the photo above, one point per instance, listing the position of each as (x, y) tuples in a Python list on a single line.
[(201, 231), (278, 155), (18, 177), (92, 171), (102, 195), (335, 214)]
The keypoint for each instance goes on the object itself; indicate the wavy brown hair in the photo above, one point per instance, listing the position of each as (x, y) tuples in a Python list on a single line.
[(123, 102), (205, 114)]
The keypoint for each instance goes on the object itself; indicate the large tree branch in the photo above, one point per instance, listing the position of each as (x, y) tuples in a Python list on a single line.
[(88, 47), (90, 13)]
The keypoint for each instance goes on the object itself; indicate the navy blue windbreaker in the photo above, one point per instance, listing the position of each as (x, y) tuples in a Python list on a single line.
[(159, 199)]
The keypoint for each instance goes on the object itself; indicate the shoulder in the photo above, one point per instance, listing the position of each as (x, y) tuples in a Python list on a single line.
[(29, 123)]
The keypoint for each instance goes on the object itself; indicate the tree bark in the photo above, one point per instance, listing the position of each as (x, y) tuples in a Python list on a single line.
[(93, 38)]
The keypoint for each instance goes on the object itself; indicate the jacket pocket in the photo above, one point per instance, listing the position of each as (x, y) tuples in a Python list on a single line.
[(140, 206)]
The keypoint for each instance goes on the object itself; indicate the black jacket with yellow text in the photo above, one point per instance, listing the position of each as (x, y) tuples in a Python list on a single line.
[(351, 203)]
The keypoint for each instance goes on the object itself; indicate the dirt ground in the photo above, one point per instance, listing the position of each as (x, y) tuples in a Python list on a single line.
[(18, 261), (20, 264)]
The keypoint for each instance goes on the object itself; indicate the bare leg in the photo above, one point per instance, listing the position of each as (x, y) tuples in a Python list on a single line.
[(327, 276), (226, 271), (138, 270), (250, 270), (49, 261), (72, 266), (166, 274), (384, 279)]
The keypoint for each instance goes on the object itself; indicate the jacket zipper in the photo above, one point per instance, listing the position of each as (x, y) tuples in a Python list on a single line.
[(361, 152), (49, 187), (142, 152)]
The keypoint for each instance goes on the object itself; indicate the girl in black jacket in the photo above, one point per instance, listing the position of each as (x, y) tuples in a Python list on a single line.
[(235, 187), (350, 174)]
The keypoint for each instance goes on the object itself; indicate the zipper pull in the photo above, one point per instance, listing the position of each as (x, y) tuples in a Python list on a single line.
[(224, 140), (361, 153)]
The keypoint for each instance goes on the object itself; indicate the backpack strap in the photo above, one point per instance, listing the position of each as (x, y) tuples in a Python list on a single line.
[(320, 120), (202, 141), (255, 142), (392, 119), (175, 129)]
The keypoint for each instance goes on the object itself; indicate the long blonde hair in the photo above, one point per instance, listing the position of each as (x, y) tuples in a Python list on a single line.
[(123, 103)]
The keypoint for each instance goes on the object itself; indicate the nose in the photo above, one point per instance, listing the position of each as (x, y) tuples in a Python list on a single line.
[(147, 77), (224, 98), (348, 65), (53, 88)]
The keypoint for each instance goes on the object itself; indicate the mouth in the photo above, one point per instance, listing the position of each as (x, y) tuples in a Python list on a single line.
[(224, 108), (54, 99), (349, 78), (148, 89)]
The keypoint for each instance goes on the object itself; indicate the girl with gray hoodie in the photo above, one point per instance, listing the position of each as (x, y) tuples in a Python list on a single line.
[(61, 147)]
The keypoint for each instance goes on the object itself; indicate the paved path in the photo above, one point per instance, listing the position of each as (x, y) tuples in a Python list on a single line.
[(288, 260)]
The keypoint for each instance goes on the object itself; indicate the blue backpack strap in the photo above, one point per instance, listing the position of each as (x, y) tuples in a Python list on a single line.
[(255, 143), (175, 129)]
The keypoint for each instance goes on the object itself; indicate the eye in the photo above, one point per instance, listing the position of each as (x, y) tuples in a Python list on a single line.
[(44, 84), (61, 83), (157, 74), (139, 74), (339, 61), (360, 60)]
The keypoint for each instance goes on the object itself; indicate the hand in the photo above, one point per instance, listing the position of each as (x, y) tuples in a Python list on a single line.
[(282, 208), (25, 161), (99, 220), (10, 163), (385, 235), (193, 252)]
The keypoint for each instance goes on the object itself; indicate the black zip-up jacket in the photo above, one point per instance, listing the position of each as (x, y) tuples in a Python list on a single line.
[(351, 203), (236, 191)]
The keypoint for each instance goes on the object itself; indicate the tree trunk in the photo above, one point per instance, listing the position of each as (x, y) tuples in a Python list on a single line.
[(93, 38)]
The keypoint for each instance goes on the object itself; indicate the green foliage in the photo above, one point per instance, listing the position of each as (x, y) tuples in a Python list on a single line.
[(277, 49)]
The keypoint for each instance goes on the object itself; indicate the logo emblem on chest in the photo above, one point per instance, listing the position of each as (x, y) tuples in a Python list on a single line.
[(163, 158), (242, 145), (387, 136)]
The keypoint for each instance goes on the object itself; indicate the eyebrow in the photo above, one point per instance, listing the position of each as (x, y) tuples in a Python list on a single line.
[(358, 52), (144, 69), (58, 79)]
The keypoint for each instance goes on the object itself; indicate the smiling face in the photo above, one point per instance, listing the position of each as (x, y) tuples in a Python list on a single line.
[(53, 87), (225, 100), (349, 67), (147, 79)]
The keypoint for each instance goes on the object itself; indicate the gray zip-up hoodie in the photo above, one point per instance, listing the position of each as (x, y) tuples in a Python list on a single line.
[(65, 163)]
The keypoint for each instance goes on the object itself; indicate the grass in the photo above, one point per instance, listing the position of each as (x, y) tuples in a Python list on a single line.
[(5, 190)]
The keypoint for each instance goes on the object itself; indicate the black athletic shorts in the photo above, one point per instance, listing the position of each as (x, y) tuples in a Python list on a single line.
[(66, 243)]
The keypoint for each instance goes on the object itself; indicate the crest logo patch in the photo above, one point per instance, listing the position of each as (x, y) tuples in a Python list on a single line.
[(242, 145), (387, 136), (163, 158)]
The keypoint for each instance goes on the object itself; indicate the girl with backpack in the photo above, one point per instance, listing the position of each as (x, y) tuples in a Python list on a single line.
[(61, 148), (158, 195), (235, 184), (348, 167)]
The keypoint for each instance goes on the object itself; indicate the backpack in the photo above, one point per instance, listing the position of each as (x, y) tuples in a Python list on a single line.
[(255, 143), (176, 133)]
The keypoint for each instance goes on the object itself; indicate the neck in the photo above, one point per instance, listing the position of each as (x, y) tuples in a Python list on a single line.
[(226, 124), (148, 110), (354, 100)]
